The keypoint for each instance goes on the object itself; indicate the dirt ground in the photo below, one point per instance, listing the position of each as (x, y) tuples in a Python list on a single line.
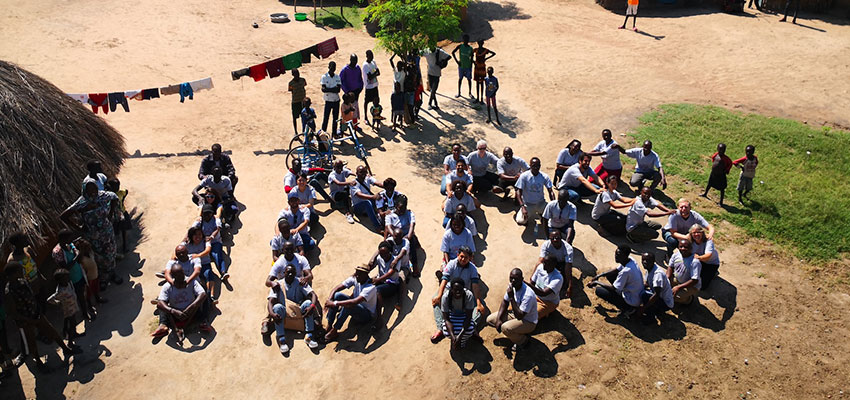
[(766, 330)]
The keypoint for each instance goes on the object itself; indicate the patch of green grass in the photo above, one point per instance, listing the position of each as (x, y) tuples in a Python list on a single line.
[(802, 184), (352, 17)]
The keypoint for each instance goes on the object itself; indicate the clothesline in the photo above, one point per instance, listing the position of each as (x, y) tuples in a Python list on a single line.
[(111, 100), (278, 66)]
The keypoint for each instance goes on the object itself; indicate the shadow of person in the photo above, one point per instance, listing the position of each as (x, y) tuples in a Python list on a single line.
[(579, 299), (11, 386), (196, 341), (537, 358), (644, 33), (356, 337), (700, 315), (414, 287), (581, 263), (647, 329), (724, 294), (475, 354), (571, 338)]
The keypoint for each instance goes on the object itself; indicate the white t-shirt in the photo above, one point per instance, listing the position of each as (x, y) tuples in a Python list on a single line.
[(565, 158), (637, 212), (339, 177), (453, 201), (398, 77), (366, 290), (300, 262), (468, 274), (470, 225), (559, 217), (293, 292), (526, 299), (222, 187), (686, 268), (402, 221), (100, 181), (452, 163), (532, 186), (180, 298), (611, 158), (572, 175), (198, 249), (602, 205), (629, 283), (364, 187), (516, 166), (397, 248), (707, 246), (188, 266), (564, 254), (278, 241), (303, 197), (296, 218), (452, 242), (645, 163), (453, 176), (675, 222), (432, 57), (553, 280), (658, 279), (480, 165), (331, 82), (388, 200), (368, 68), (384, 267), (209, 227)]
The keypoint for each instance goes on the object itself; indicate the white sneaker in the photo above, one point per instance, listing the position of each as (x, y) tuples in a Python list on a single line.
[(284, 348), (311, 343), (160, 275), (349, 218)]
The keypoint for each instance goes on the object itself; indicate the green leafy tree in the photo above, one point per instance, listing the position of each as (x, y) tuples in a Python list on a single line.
[(405, 26)]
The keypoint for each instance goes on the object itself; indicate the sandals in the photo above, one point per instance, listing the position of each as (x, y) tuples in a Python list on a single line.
[(160, 332)]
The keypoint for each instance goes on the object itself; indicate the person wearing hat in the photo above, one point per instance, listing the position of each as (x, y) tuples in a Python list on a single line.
[(211, 225), (361, 305)]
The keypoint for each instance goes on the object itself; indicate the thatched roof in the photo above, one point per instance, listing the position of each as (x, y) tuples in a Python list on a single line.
[(46, 138)]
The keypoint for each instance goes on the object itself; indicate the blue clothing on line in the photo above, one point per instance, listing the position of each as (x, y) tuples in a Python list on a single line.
[(186, 91)]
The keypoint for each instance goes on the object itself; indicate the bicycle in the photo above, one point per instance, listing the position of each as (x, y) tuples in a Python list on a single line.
[(318, 152)]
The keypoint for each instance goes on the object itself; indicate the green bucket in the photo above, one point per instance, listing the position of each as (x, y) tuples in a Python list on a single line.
[(300, 16)]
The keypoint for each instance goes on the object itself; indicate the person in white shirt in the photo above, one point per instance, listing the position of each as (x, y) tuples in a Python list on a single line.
[(361, 305), (562, 253), (470, 223), (577, 180), (179, 303), (299, 219), (705, 251), (362, 199), (638, 229), (285, 235), (603, 211), (626, 282), (191, 266), (517, 324), (679, 224), (609, 150), (290, 300), (463, 269), (387, 199), (331, 86), (508, 168), (455, 238), (461, 174), (648, 166), (567, 157), (340, 186), (530, 187), (437, 59), (212, 230), (450, 165), (481, 163), (546, 282), (684, 271), (459, 196), (306, 196), (302, 267), (560, 215), (657, 297), (370, 79)]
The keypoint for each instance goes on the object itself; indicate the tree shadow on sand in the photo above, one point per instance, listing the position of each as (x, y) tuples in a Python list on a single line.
[(480, 13)]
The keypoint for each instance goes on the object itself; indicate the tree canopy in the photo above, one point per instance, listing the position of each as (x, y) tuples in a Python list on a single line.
[(411, 25)]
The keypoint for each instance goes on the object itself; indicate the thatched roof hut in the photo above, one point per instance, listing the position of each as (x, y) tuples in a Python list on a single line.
[(46, 138)]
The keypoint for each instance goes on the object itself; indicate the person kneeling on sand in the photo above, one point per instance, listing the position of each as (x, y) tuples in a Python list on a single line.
[(684, 272), (626, 282), (179, 304), (361, 305), (457, 306), (290, 303), (523, 305)]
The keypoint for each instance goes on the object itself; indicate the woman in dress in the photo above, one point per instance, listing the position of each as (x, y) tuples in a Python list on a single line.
[(96, 209), (482, 54)]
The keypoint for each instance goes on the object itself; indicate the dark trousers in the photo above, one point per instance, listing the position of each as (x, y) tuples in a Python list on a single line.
[(612, 297), (709, 271), (796, 8), (331, 106)]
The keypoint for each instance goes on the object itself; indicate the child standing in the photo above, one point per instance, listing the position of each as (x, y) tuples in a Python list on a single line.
[(308, 116), (397, 104), (123, 223), (66, 298), (377, 118), (748, 165), (491, 87), (720, 166), (90, 268), (631, 10)]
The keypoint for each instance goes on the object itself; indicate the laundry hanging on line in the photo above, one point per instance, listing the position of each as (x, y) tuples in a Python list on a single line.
[(111, 100), (279, 65)]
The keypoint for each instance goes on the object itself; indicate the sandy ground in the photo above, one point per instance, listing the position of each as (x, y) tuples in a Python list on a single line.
[(765, 331)]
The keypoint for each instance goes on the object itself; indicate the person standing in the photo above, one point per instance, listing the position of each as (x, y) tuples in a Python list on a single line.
[(298, 88), (370, 79), (437, 59), (788, 7), (748, 165), (491, 84), (464, 64), (351, 77), (720, 166), (631, 11), (482, 54), (331, 85)]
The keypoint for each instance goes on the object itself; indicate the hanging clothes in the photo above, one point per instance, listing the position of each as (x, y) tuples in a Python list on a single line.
[(116, 98), (306, 53), (239, 73), (186, 91), (327, 47), (148, 94), (133, 94), (258, 72), (169, 90), (201, 84), (99, 100), (292, 61), (81, 97), (275, 67)]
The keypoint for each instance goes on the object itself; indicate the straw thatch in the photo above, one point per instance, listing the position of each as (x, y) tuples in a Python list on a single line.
[(46, 138)]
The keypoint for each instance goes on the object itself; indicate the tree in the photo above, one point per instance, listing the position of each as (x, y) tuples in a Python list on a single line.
[(406, 26)]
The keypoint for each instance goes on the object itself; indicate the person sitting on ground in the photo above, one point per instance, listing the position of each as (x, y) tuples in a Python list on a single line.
[(210, 197), (459, 196), (20, 303), (509, 168), (191, 266), (289, 299), (460, 174), (457, 306), (455, 238), (721, 164), (638, 229), (529, 188), (198, 249), (603, 211), (362, 199), (95, 174), (704, 250), (609, 150), (562, 253), (684, 271), (679, 224), (306, 196), (626, 282), (522, 301), (211, 227), (400, 250), (567, 157), (648, 166), (315, 177), (222, 187), (546, 282), (404, 220), (302, 267), (450, 165), (387, 198), (481, 163), (577, 180), (299, 220), (460, 209), (179, 304), (463, 269), (748, 164), (657, 296), (560, 215), (65, 296), (284, 235), (218, 159), (340, 187), (66, 257), (387, 282), (361, 305)]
